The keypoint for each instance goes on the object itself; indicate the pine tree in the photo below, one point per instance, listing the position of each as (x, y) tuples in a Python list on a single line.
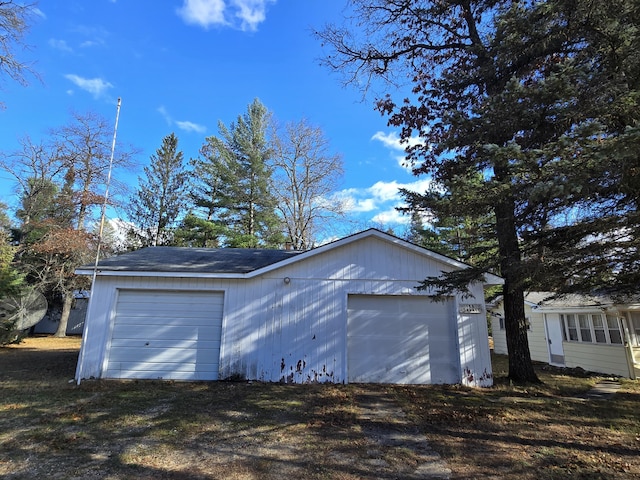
[(527, 113), (160, 200), (233, 182)]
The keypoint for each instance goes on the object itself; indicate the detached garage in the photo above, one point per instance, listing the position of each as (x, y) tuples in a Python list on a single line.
[(344, 312)]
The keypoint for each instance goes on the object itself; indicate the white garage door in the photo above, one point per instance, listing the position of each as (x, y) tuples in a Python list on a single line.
[(166, 334), (397, 339)]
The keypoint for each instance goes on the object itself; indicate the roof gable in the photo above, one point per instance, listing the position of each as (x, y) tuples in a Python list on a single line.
[(451, 263)]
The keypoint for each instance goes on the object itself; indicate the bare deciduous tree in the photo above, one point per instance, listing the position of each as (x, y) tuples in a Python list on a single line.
[(306, 174), (14, 23), (84, 147)]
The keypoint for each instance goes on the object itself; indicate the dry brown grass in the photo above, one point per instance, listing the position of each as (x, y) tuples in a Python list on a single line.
[(50, 427)]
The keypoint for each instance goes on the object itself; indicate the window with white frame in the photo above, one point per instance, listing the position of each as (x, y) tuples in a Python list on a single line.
[(592, 328), (634, 321), (614, 330)]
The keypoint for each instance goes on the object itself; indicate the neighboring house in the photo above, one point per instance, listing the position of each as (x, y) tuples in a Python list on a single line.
[(75, 325), (344, 312), (593, 333)]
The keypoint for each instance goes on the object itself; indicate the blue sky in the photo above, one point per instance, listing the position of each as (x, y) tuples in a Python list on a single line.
[(183, 65)]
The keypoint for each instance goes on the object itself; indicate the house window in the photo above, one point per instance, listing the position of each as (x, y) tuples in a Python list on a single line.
[(572, 330), (634, 318), (614, 329), (592, 328), (501, 320), (598, 329), (585, 329)]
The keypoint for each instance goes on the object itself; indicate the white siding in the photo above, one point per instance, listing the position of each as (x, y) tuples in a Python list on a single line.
[(296, 331)]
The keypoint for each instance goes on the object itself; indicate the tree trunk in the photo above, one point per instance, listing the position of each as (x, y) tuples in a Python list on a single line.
[(520, 365), (64, 317)]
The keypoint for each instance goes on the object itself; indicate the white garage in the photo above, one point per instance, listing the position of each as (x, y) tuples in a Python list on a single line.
[(165, 335), (347, 311), (399, 339)]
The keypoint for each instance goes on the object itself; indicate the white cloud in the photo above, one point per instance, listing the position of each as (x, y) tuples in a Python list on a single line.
[(243, 14), (191, 127), (60, 45), (381, 199), (251, 13), (203, 12), (163, 111), (391, 217), (386, 191), (95, 86), (392, 141), (91, 43), (185, 125)]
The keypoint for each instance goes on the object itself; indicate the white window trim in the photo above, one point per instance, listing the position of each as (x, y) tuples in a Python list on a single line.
[(589, 318)]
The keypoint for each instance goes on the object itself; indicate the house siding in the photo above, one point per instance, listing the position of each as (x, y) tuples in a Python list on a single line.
[(498, 334), (536, 334), (296, 331), (609, 359), (600, 358)]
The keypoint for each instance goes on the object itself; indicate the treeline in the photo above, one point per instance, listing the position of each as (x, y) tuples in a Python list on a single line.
[(256, 184)]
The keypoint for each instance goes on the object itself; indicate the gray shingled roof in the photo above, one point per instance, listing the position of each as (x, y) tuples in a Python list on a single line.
[(575, 300), (193, 260)]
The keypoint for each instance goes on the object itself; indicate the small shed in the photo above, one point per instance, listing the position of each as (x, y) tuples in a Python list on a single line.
[(347, 311), (592, 332)]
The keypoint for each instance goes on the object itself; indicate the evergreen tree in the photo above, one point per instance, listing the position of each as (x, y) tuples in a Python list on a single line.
[(233, 183), (160, 200), (527, 113), (11, 282)]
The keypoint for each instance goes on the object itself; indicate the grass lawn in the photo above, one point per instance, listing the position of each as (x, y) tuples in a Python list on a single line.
[(52, 428)]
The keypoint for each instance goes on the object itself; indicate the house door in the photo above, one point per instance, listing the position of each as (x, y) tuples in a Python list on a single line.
[(553, 326)]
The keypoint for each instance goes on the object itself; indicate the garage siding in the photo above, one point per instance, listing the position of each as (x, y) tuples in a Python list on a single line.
[(166, 335)]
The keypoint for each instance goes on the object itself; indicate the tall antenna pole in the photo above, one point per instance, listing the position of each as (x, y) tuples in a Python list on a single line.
[(106, 195), (100, 230)]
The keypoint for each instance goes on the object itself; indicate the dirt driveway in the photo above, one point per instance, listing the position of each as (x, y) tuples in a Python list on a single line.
[(52, 428)]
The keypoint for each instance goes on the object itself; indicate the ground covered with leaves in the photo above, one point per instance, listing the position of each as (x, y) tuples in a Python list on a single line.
[(52, 428)]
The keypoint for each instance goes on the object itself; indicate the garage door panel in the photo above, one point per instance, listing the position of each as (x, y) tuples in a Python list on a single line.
[(187, 332), (156, 343), (162, 355), (154, 367), (151, 312), (401, 340), (142, 316), (170, 335), (124, 374)]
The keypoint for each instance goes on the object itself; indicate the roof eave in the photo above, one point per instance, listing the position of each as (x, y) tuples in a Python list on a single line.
[(182, 274)]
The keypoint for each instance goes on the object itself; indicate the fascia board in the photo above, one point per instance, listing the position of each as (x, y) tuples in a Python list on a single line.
[(122, 273)]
